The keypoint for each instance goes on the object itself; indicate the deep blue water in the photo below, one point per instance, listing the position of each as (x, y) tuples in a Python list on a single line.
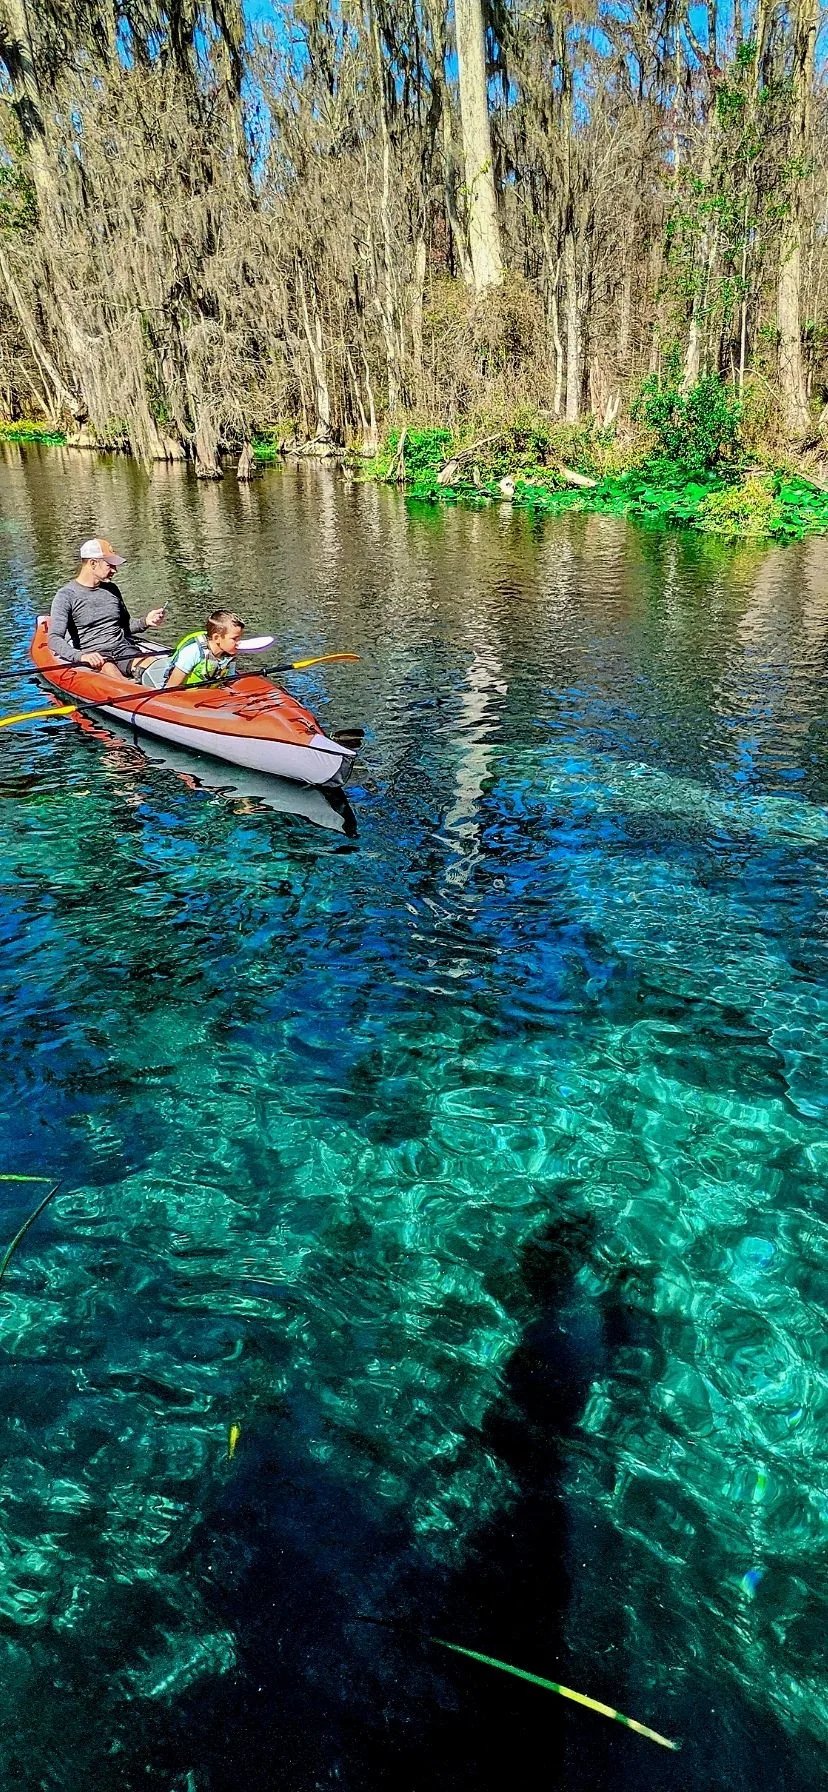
[(474, 1166)]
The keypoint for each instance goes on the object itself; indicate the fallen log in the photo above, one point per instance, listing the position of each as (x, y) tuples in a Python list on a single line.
[(579, 479), (451, 468)]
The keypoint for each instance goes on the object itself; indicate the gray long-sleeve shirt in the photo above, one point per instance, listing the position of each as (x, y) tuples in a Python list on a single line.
[(90, 619)]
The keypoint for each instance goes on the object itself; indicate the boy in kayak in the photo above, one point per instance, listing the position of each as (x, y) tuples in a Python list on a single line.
[(207, 657), (90, 624)]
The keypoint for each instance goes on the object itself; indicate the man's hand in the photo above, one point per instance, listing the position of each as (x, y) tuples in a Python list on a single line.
[(92, 659), (155, 616)]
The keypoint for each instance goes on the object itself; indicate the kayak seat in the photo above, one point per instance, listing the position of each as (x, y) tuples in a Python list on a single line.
[(153, 676)]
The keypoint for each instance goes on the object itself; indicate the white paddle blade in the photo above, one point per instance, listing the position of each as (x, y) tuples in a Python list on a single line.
[(256, 644)]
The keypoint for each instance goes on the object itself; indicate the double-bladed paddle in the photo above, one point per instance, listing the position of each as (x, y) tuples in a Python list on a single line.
[(256, 644)]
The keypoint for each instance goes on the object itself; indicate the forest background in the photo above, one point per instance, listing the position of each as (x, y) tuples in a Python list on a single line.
[(595, 227)]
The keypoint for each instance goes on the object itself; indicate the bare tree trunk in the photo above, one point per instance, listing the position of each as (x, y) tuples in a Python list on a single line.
[(386, 285), (437, 24), (206, 445), (789, 285), (417, 317), (553, 278), (372, 410), (316, 351), (695, 335), (655, 264), (484, 229), (743, 306), (369, 436), (791, 365), (625, 310), (458, 235), (692, 358), (559, 354), (573, 330)]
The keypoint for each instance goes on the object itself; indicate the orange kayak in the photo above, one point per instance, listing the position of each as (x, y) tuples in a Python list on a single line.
[(250, 722)]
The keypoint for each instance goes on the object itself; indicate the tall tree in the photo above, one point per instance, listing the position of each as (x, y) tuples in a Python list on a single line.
[(481, 198), (792, 380)]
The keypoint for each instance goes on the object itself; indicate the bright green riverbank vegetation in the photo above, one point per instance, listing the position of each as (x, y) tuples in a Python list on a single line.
[(685, 461), (25, 430), (770, 505)]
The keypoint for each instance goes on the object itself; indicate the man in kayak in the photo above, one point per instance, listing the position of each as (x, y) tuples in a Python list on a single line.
[(209, 656), (90, 624)]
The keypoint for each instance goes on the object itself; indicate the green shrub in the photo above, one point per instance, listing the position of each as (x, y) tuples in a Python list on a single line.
[(697, 429), (747, 510), (802, 508), (425, 450), (25, 430)]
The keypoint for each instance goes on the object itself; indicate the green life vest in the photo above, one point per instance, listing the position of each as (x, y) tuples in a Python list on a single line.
[(209, 668)]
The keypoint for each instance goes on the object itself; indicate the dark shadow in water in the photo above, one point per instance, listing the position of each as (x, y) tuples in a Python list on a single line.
[(322, 1699)]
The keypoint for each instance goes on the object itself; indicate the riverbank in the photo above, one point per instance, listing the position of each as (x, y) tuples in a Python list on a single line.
[(552, 469), (561, 470), (27, 431)]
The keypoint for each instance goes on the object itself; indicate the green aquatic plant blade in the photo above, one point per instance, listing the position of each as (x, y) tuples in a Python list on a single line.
[(566, 1692), (20, 1235)]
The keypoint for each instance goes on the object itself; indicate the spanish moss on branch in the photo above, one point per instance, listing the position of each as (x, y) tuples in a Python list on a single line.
[(348, 215)]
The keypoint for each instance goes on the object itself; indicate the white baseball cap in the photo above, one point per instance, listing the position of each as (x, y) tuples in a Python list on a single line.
[(98, 549)]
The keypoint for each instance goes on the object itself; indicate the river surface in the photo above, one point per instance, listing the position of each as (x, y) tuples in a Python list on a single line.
[(473, 1164)]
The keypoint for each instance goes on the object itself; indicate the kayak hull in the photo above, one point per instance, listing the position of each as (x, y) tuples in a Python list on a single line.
[(299, 763), (250, 723)]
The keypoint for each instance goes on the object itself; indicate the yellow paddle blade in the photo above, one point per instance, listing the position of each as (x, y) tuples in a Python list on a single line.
[(321, 659), (34, 715)]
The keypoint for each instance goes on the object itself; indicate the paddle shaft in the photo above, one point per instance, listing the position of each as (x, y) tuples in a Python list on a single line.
[(26, 1223), (320, 659), (290, 666)]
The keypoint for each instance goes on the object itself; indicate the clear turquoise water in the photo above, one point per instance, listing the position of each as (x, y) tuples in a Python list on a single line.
[(474, 1166)]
